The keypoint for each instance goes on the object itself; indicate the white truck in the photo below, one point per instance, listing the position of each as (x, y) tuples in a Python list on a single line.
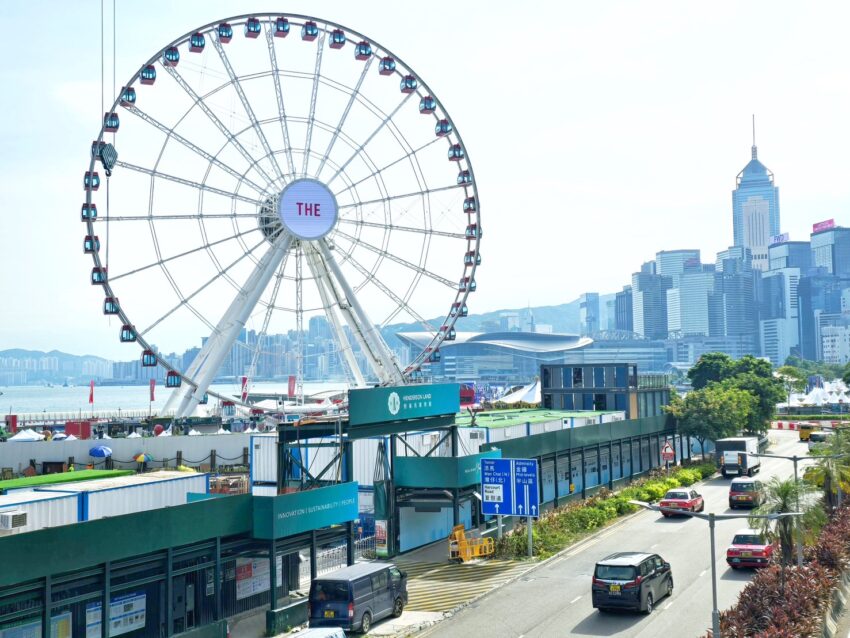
[(737, 455)]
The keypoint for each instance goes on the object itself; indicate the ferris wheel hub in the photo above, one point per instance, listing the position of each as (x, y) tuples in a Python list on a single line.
[(307, 209)]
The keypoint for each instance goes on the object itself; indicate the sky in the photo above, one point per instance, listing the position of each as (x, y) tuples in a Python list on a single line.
[(600, 133)]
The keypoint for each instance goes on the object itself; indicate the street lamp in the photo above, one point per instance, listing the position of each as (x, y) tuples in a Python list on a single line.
[(795, 459), (711, 517)]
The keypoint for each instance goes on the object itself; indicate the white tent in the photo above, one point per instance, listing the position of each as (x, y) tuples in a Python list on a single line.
[(134, 435), (222, 431), (27, 435), (194, 432), (527, 394)]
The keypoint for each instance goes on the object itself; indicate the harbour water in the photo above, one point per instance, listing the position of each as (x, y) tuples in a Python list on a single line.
[(30, 399)]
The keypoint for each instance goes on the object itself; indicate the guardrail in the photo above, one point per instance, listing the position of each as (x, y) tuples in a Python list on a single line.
[(335, 558)]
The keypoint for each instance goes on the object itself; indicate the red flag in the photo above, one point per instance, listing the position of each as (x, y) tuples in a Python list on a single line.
[(153, 385), (244, 389), (291, 385), (91, 392)]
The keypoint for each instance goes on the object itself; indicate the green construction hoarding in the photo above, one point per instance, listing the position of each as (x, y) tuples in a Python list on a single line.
[(441, 471), (399, 403), (289, 514)]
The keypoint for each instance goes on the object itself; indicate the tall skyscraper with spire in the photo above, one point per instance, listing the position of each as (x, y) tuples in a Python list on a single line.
[(755, 208)]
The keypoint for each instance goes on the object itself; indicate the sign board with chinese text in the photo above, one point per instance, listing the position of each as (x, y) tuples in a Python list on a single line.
[(509, 487)]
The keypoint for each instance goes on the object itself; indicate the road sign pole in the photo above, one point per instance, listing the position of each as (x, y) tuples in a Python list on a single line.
[(498, 526), (529, 522)]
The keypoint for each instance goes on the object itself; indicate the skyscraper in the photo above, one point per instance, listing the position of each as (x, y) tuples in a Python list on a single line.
[(649, 302), (831, 250), (588, 313), (623, 308), (755, 208), (672, 263), (790, 254)]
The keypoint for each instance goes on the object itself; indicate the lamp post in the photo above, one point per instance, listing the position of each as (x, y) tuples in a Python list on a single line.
[(796, 459), (711, 517)]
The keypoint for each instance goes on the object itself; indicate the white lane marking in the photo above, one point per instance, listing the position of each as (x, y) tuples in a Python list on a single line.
[(701, 574), (576, 599), (653, 546), (667, 606)]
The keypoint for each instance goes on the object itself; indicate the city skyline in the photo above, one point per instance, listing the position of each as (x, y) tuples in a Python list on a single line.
[(677, 109)]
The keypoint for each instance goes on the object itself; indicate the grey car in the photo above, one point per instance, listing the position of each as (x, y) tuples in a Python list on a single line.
[(631, 580)]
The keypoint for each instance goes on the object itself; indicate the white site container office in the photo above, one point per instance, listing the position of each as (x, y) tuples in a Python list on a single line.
[(131, 494), (262, 458), (42, 509)]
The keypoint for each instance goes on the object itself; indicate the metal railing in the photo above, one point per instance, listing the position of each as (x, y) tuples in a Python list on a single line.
[(334, 558)]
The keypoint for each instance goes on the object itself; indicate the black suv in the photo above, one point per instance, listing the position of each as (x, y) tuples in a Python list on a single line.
[(631, 580)]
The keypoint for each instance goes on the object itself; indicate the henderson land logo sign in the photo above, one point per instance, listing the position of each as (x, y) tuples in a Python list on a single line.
[(396, 403)]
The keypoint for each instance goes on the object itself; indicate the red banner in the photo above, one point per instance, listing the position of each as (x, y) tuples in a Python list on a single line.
[(244, 389), (291, 385), (91, 392), (153, 385)]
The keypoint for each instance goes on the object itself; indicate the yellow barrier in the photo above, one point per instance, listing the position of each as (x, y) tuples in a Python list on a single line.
[(463, 549)]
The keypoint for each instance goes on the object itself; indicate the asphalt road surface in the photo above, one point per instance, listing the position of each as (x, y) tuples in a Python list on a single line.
[(554, 600)]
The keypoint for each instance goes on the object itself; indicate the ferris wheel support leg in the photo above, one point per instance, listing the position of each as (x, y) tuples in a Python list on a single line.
[(391, 371), (356, 329), (336, 326), (227, 331)]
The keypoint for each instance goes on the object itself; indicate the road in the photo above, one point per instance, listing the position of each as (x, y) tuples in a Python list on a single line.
[(554, 600)]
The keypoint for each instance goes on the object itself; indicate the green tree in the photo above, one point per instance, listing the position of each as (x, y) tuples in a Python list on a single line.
[(832, 470), (712, 413), (767, 392), (845, 374), (749, 364), (793, 379), (826, 370), (712, 366), (787, 495)]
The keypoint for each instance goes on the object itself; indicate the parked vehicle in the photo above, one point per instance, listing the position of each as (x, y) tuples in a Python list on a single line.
[(683, 499), (806, 430), (737, 455), (745, 492), (749, 549), (818, 437), (355, 597), (631, 580)]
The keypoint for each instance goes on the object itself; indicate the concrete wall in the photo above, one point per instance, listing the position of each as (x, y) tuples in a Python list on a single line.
[(196, 451)]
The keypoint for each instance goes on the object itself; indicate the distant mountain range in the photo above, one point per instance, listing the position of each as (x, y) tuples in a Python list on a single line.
[(563, 318)]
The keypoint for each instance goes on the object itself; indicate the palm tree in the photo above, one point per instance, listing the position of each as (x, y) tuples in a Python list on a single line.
[(833, 468), (788, 495)]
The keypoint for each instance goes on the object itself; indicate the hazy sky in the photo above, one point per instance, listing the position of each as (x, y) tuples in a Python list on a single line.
[(600, 133)]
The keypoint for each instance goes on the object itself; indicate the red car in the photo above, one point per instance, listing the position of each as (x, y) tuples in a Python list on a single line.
[(682, 499), (749, 549)]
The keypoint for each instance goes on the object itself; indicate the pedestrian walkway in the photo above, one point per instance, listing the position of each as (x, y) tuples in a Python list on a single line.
[(440, 587)]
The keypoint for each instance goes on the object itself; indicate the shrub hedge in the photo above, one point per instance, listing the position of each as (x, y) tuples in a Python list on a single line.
[(766, 608), (564, 525)]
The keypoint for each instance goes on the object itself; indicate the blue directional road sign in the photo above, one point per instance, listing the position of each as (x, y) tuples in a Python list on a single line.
[(509, 487)]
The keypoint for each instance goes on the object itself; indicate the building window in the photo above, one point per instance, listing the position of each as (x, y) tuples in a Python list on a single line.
[(600, 402), (578, 377), (547, 374), (587, 401), (599, 377), (621, 402), (568, 402), (633, 376), (547, 401), (620, 376)]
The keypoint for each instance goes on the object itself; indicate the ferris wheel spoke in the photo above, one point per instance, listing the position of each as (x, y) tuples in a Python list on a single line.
[(403, 262), (185, 299), (406, 229), (360, 148), (344, 116), (171, 133), (186, 182), (234, 79), (179, 216), (316, 76), (427, 191), (374, 174), (279, 96), (217, 122), (388, 371), (401, 304), (325, 293), (226, 332), (161, 261)]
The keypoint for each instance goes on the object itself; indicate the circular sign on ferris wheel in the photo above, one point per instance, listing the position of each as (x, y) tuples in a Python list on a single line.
[(307, 209)]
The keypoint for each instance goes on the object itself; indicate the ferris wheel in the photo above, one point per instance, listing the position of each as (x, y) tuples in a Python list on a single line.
[(268, 177)]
